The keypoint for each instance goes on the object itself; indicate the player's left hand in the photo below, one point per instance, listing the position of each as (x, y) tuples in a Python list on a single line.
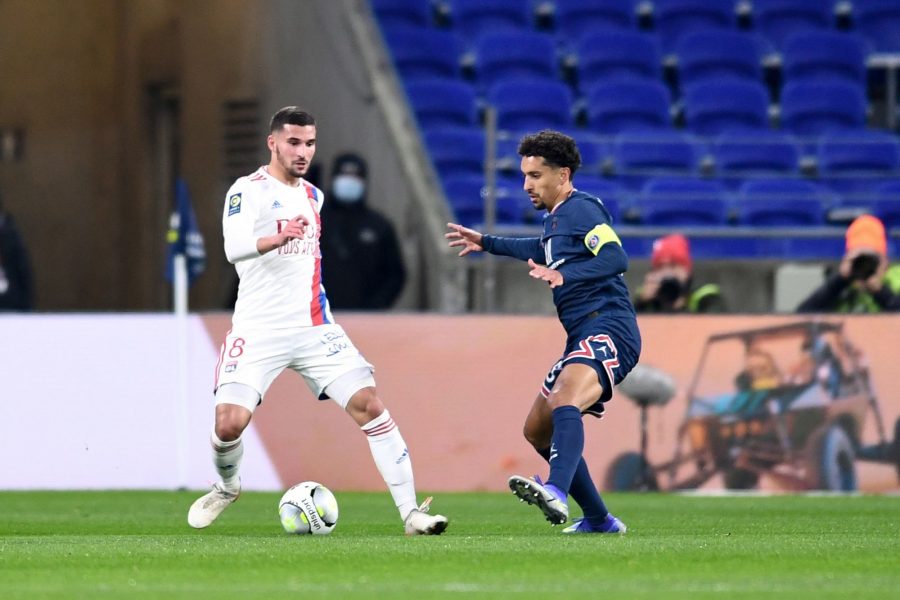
[(554, 278)]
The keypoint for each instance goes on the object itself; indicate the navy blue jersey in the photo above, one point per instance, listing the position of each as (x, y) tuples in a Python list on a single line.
[(578, 241)]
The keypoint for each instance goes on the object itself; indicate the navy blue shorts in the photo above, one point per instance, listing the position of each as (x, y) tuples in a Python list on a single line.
[(610, 346)]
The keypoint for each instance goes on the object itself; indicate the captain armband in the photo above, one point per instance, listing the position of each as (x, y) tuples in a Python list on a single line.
[(599, 236)]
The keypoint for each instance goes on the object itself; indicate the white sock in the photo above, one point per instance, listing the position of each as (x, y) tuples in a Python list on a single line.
[(227, 459), (393, 462)]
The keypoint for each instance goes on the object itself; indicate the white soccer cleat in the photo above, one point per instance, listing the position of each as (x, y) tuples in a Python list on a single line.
[(419, 522), (208, 507)]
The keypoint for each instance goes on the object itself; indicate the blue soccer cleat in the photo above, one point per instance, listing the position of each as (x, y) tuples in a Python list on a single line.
[(547, 497), (610, 525)]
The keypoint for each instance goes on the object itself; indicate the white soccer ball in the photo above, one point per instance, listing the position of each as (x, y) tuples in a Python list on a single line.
[(308, 507)]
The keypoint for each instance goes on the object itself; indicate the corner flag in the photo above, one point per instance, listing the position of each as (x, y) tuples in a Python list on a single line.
[(184, 238)]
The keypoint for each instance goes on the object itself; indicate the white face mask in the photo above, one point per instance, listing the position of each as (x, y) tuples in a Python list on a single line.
[(348, 188)]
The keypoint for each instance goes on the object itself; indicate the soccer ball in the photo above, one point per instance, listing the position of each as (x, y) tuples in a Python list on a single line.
[(308, 507)]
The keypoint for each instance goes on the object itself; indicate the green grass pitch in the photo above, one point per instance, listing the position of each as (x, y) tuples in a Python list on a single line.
[(138, 545)]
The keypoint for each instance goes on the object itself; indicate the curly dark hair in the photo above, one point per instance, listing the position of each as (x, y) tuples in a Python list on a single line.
[(557, 149)]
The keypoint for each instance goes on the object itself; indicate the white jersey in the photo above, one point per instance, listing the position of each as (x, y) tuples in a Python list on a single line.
[(282, 288)]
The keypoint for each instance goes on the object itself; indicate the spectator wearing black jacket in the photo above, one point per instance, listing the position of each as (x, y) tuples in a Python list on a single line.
[(362, 267), (16, 284)]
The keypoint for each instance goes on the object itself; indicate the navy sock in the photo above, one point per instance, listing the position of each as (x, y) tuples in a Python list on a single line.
[(584, 492), (566, 447)]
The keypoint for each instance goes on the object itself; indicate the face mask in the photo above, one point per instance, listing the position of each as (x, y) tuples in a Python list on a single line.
[(348, 188)]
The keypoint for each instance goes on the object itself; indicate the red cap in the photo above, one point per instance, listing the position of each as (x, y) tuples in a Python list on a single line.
[(671, 249)]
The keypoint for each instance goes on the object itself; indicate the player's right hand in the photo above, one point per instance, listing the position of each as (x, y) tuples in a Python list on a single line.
[(469, 239), (293, 230)]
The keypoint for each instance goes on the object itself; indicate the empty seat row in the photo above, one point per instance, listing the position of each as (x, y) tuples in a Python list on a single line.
[(686, 202), (773, 20), (603, 55), (709, 108), (851, 163)]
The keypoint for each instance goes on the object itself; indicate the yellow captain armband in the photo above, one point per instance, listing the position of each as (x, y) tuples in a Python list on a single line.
[(599, 236)]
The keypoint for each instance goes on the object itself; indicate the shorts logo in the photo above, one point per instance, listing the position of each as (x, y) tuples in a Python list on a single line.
[(593, 241), (234, 204), (231, 367)]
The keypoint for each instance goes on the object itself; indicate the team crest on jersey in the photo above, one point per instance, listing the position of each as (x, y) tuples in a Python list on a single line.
[(234, 204)]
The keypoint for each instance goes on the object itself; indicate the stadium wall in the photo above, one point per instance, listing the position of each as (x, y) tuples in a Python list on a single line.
[(90, 401)]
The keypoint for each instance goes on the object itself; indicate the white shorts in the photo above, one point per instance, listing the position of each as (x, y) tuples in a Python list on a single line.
[(320, 354)]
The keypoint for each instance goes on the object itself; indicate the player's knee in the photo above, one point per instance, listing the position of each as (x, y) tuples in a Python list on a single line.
[(556, 400), (231, 422), (366, 402)]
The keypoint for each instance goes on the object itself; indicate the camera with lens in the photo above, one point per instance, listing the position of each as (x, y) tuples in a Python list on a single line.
[(864, 266), (670, 289)]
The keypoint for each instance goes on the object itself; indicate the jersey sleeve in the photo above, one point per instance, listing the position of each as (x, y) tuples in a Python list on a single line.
[(521, 248), (238, 221)]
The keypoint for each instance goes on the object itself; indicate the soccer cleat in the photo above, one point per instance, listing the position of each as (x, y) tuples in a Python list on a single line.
[(208, 507), (547, 498), (610, 525), (419, 522)]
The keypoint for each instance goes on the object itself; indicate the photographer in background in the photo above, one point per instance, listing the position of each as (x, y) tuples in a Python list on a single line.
[(667, 287), (863, 282)]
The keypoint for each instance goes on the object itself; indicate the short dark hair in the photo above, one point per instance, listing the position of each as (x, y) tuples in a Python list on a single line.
[(557, 149), (290, 115)]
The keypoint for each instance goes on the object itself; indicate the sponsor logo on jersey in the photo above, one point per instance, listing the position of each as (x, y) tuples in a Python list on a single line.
[(234, 204), (276, 204), (231, 367)]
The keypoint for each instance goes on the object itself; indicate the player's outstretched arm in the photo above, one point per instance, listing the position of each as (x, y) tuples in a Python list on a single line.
[(292, 230), (469, 239)]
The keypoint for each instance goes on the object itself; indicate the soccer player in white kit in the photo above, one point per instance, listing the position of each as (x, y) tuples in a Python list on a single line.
[(281, 320)]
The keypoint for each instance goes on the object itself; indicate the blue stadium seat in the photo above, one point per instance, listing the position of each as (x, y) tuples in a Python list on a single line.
[(714, 54), (463, 193), (816, 107), (391, 13), (781, 203), (825, 55), (526, 104), (606, 55), (759, 153), (777, 20), (456, 150), (594, 152), (675, 18), (887, 204), (472, 18), (575, 18), (515, 54), (854, 163), (420, 52), (613, 195), (639, 155), (878, 21), (631, 105), (681, 202), (466, 195), (442, 102), (716, 106)]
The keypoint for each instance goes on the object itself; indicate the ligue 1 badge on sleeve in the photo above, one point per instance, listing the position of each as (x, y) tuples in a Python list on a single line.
[(234, 204)]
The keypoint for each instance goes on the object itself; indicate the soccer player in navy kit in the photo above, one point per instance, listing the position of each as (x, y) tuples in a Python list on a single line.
[(580, 256)]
